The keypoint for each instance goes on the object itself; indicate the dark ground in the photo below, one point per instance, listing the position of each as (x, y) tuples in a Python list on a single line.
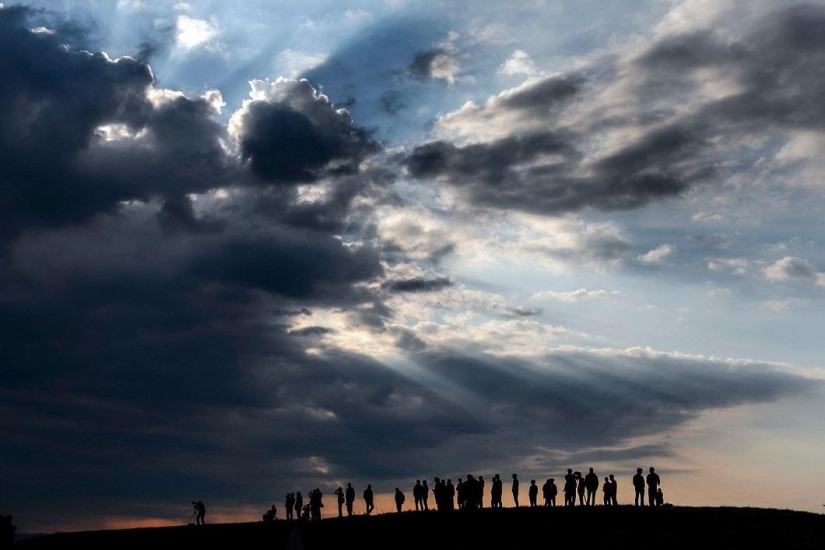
[(504, 529)]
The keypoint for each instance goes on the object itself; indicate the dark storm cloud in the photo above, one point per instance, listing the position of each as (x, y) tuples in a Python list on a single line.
[(778, 68), (418, 284), (296, 135), (148, 283), (559, 401), (58, 166)]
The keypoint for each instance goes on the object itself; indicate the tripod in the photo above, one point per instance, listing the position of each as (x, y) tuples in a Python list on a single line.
[(193, 516)]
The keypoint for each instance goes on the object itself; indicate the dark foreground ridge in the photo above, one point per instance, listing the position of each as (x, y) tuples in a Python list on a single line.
[(599, 527)]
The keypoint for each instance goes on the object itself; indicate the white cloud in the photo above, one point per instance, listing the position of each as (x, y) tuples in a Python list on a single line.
[(573, 295), (446, 65), (292, 64), (792, 268), (519, 63), (183, 6), (736, 266), (657, 256), (192, 33)]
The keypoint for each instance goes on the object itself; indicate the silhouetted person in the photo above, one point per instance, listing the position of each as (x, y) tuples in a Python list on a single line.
[(460, 494), (652, 486), (425, 495), (533, 493), (369, 499), (614, 490), (349, 498), (480, 491), (315, 504), (200, 512), (639, 487), (569, 488), (299, 505), (606, 500), (580, 487), (341, 499), (289, 504), (472, 493), (495, 492), (515, 490), (269, 515), (450, 495), (591, 483), (399, 499), (552, 491), (417, 496), (660, 498)]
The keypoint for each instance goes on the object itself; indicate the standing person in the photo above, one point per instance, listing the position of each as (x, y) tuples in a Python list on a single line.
[(425, 495), (417, 496), (495, 492), (614, 490), (349, 497), (289, 502), (437, 494), (460, 491), (591, 483), (533, 493), (399, 499), (515, 490), (639, 487), (569, 488), (652, 486), (341, 499), (315, 504), (606, 500), (553, 490), (200, 512), (299, 504), (369, 499), (580, 487), (481, 491), (449, 494)]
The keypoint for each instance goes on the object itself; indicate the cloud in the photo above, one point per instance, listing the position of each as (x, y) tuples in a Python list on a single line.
[(290, 133), (439, 63), (735, 266), (657, 256), (649, 123), (418, 284), (292, 64), (573, 295), (191, 33), (519, 63), (790, 268)]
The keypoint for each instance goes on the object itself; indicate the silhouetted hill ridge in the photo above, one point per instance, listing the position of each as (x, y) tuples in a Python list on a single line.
[(598, 527)]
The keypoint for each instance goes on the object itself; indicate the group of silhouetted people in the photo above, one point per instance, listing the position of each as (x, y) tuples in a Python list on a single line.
[(468, 494)]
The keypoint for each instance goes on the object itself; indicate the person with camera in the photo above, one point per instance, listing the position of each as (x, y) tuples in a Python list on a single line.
[(200, 512)]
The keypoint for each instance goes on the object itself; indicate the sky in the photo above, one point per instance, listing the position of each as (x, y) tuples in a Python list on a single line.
[(261, 247)]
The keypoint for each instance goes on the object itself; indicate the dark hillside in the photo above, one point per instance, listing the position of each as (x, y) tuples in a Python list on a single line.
[(507, 529)]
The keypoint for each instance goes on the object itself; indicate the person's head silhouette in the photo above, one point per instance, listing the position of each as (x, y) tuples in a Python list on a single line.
[(515, 476), (652, 469), (638, 470), (591, 470)]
